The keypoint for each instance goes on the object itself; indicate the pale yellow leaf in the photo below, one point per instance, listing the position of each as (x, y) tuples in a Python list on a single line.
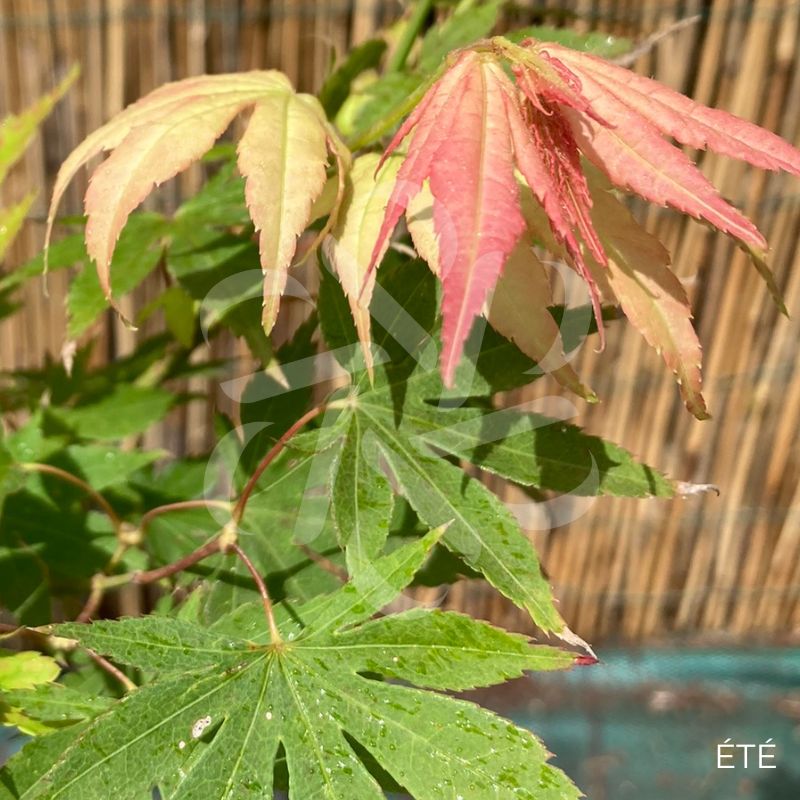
[(352, 240), (153, 140), (649, 293), (283, 155), (519, 311), (26, 669)]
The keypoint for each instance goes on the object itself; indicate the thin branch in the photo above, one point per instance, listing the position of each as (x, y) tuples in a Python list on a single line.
[(649, 43), (68, 477), (115, 672), (98, 587), (100, 581), (274, 633), (184, 505), (151, 576), (93, 601), (274, 452)]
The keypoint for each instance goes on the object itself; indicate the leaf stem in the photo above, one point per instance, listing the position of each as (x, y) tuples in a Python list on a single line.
[(409, 35), (274, 633), (183, 505), (115, 672), (101, 581), (49, 469), (93, 601), (151, 576), (274, 452)]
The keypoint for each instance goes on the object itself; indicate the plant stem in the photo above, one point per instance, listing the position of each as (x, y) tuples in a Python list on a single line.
[(274, 633), (184, 505), (274, 452), (92, 601), (68, 477), (151, 576), (111, 670), (100, 581), (409, 35)]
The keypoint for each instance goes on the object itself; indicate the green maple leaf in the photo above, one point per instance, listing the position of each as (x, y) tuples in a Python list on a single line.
[(395, 428), (224, 703)]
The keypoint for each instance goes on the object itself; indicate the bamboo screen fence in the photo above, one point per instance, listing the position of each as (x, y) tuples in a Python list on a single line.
[(726, 566)]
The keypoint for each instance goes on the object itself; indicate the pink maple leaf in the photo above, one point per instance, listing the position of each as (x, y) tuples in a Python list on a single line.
[(476, 126)]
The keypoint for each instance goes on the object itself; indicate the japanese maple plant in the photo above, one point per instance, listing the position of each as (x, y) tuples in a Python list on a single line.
[(275, 644)]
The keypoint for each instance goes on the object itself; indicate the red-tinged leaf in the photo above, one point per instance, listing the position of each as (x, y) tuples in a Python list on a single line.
[(652, 298), (688, 122), (518, 308), (431, 123), (476, 210), (519, 311), (632, 152), (565, 105), (636, 158), (553, 141), (351, 242), (541, 76), (280, 188), (550, 164), (623, 131)]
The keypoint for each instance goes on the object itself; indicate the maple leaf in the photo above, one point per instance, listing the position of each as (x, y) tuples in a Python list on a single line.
[(352, 240), (462, 144), (651, 296), (475, 125), (518, 308), (16, 133), (392, 431), (223, 700), (283, 155)]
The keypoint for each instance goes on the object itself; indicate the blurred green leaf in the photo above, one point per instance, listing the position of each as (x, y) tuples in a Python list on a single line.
[(220, 202), (336, 88), (67, 252), (469, 22), (55, 704), (11, 220), (595, 42), (375, 102), (26, 670), (128, 410), (16, 132), (179, 313), (137, 254), (101, 466)]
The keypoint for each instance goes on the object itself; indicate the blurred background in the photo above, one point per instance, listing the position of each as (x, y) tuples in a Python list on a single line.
[(695, 603)]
